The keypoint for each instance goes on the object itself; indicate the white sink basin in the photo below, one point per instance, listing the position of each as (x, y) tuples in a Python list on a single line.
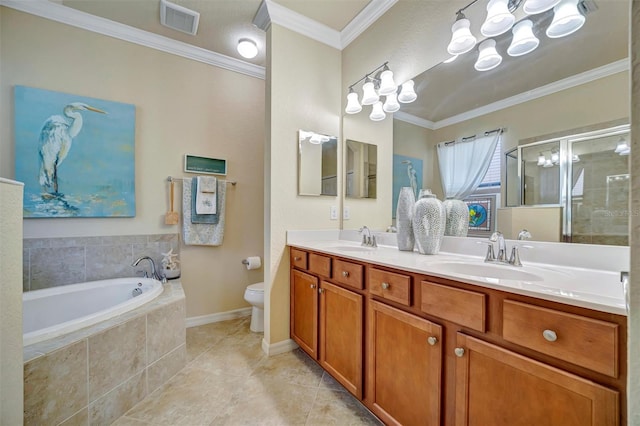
[(483, 270)]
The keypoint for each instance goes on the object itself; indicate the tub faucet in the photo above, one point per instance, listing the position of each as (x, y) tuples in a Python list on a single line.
[(154, 272)]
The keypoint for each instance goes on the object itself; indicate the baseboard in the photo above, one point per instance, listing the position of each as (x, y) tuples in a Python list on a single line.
[(278, 348), (217, 317)]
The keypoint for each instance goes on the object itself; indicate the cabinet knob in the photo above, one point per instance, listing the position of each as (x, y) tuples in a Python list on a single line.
[(432, 340), (321, 290), (312, 286), (459, 352), (296, 258), (345, 273), (385, 286), (550, 335)]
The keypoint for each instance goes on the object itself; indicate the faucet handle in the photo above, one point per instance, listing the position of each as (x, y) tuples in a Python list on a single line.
[(373, 241), (490, 256), (514, 259)]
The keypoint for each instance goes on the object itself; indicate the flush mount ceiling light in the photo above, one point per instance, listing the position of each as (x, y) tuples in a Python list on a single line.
[(247, 48), (378, 83), (499, 19), (488, 58), (568, 17)]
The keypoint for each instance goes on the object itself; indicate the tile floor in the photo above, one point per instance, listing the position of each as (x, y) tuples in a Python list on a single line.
[(229, 381)]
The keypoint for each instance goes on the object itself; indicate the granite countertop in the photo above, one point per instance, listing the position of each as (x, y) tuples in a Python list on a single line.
[(595, 289)]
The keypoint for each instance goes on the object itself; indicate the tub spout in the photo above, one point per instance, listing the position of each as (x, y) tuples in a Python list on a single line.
[(154, 272)]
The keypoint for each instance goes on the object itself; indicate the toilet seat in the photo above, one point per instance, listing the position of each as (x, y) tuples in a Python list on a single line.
[(256, 288)]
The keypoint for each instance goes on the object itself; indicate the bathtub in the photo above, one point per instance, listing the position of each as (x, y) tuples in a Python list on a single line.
[(52, 312)]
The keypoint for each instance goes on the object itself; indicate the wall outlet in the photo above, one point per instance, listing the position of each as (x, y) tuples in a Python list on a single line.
[(346, 213), (333, 213)]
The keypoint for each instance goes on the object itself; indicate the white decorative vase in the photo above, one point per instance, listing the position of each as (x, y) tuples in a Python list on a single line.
[(457, 218), (429, 220), (404, 218)]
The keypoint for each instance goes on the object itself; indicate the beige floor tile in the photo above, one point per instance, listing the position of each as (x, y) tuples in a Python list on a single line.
[(128, 421), (264, 401), (192, 397), (333, 407), (328, 382), (233, 357), (203, 337), (293, 367)]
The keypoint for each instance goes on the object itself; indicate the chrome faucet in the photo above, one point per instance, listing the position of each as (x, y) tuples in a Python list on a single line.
[(514, 259), (502, 246), (368, 240), (154, 272)]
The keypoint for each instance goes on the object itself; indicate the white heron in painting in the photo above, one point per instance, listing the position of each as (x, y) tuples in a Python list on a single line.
[(56, 137)]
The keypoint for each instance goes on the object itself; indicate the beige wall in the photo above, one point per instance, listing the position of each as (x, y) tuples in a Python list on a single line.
[(415, 141), (303, 92), (11, 384), (182, 106)]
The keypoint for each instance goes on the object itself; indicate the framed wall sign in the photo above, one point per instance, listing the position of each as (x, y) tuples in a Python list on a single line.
[(205, 165)]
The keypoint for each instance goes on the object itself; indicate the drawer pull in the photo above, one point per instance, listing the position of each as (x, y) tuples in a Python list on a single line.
[(321, 290), (432, 340), (459, 352), (550, 335), (312, 286), (385, 286), (345, 273), (297, 258)]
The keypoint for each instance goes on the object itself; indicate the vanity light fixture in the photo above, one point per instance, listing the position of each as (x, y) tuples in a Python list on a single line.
[(555, 157), (568, 17), (541, 159), (622, 147), (314, 138), (488, 58), (247, 48), (547, 163), (575, 158), (377, 84)]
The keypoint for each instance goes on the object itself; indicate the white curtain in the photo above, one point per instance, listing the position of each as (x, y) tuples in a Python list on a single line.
[(464, 163)]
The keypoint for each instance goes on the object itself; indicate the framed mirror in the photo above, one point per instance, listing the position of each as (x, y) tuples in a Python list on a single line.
[(537, 96), (317, 164), (361, 162)]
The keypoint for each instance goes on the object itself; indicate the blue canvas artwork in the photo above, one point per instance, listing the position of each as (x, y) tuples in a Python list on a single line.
[(74, 154), (407, 171)]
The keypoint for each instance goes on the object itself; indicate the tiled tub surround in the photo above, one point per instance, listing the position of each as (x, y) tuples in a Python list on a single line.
[(94, 375), (50, 262), (575, 274)]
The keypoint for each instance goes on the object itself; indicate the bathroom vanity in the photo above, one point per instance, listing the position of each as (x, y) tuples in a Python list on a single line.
[(420, 343)]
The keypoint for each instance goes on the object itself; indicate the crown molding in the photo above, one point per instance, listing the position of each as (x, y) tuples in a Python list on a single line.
[(300, 24), (557, 86), (66, 15), (412, 119), (374, 10)]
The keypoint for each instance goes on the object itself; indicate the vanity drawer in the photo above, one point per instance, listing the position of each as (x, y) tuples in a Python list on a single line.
[(587, 342), (464, 307), (320, 265), (390, 285), (299, 258), (348, 273)]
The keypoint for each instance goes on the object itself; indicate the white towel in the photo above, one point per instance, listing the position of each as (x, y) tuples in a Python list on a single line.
[(206, 200), (202, 234)]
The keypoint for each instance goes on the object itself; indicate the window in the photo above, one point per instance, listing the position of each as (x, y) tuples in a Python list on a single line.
[(492, 178)]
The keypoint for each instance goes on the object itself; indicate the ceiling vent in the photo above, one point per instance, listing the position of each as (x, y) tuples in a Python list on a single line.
[(178, 18)]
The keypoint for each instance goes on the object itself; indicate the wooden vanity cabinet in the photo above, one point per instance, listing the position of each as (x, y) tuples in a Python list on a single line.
[(327, 320)]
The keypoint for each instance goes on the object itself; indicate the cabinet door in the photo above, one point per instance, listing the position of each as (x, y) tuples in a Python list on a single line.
[(404, 367), (341, 331), (498, 387), (304, 311)]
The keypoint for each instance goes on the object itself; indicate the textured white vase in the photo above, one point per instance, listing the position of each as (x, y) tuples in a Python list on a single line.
[(404, 218), (457, 218), (429, 220)]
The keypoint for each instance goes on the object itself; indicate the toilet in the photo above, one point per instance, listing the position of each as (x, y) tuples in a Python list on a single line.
[(254, 294)]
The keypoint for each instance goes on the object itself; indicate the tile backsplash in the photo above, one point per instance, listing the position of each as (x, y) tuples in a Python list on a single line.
[(51, 262)]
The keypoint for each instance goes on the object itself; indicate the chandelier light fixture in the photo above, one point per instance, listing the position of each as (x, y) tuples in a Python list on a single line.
[(568, 17), (379, 84)]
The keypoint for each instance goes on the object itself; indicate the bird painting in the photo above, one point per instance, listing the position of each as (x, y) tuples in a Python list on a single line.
[(56, 138)]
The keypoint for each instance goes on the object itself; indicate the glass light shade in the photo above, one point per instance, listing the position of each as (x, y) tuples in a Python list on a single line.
[(523, 41), (547, 163), (567, 19), (533, 7), (575, 158), (541, 159), (555, 157), (626, 152), (462, 40), (489, 58), (247, 48), (391, 103), (407, 94), (353, 106), (377, 114), (622, 146), (316, 139), (499, 20), (387, 85), (369, 95)]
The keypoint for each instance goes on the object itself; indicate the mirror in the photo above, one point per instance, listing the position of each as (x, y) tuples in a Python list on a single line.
[(361, 161), (317, 164), (546, 94)]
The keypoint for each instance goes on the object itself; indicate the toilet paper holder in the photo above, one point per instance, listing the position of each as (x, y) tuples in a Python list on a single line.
[(245, 262)]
